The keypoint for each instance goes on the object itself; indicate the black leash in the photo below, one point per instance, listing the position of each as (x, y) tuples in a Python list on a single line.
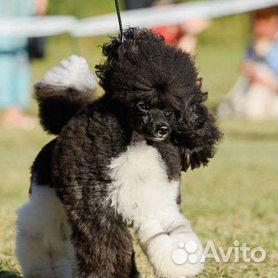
[(119, 19)]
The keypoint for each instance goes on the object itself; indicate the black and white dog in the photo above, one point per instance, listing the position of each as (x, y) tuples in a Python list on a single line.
[(115, 163)]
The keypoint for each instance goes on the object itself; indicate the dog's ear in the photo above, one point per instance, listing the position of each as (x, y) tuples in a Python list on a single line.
[(196, 134)]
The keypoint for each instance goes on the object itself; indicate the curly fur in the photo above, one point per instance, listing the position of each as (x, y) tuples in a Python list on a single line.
[(63, 91), (162, 74), (117, 160)]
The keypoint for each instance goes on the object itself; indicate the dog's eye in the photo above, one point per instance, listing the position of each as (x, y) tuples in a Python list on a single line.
[(168, 113), (143, 107)]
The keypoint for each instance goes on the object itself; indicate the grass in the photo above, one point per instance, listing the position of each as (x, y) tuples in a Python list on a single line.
[(235, 198), (232, 199)]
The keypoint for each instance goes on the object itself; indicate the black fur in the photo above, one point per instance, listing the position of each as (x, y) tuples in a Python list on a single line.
[(42, 166), (58, 104), (142, 69)]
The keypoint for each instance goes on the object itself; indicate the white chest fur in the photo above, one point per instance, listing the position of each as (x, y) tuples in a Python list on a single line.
[(143, 195), (140, 189)]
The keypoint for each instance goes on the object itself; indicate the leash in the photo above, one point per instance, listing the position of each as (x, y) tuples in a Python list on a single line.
[(119, 19)]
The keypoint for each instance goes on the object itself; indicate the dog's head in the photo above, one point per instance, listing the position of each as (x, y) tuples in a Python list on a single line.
[(158, 86), (153, 121)]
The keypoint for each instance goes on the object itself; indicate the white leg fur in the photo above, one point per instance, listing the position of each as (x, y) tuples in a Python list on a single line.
[(43, 244), (143, 195)]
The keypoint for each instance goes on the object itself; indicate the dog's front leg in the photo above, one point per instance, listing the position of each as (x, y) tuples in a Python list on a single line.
[(171, 246), (143, 194)]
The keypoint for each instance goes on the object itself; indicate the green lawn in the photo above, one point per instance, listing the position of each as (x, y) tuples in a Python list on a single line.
[(234, 198)]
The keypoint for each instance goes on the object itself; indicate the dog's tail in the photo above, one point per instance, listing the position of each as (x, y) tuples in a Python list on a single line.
[(63, 91)]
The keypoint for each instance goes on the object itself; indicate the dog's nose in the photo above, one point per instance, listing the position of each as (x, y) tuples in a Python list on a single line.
[(162, 129)]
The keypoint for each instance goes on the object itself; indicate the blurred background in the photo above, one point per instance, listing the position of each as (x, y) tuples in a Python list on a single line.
[(235, 198)]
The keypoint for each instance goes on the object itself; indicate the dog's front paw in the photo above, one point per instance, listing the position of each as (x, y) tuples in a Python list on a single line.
[(176, 255)]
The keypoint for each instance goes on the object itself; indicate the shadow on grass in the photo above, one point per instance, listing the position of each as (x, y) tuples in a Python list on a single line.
[(8, 274)]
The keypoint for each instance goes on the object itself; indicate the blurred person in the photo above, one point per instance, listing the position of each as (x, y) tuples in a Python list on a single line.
[(15, 68), (182, 35), (255, 95), (191, 28)]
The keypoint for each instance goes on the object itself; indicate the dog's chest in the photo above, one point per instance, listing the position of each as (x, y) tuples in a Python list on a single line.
[(140, 185)]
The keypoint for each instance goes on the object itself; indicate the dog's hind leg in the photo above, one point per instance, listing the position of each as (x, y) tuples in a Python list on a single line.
[(43, 244)]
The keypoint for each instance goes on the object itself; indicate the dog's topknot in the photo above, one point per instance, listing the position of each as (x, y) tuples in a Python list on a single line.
[(131, 37), (124, 56), (144, 63)]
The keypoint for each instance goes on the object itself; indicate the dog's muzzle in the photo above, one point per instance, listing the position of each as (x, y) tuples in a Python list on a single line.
[(161, 132)]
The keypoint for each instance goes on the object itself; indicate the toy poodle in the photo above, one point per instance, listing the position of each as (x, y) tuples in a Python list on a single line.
[(115, 163)]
